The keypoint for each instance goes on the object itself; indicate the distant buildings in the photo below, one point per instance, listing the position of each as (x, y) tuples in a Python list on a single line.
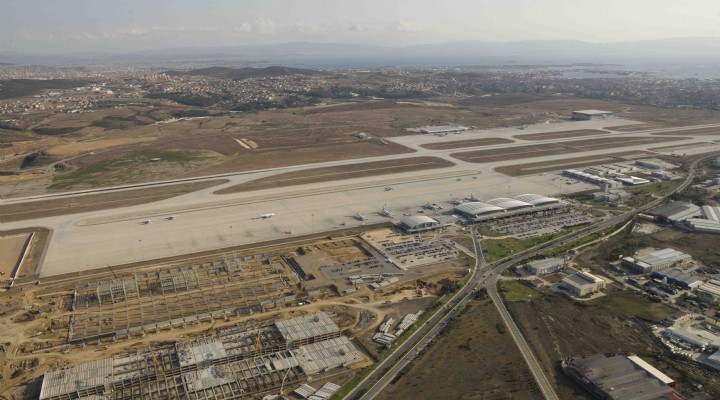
[(587, 115)]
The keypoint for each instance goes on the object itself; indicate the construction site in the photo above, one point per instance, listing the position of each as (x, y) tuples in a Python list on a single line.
[(240, 324), (240, 361)]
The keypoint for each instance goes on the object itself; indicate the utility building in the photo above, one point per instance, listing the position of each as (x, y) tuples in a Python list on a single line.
[(582, 283)]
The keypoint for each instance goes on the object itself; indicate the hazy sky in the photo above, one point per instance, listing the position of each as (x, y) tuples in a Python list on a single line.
[(121, 25)]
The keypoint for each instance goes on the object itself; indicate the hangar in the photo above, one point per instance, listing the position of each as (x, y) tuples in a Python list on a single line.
[(418, 223), (587, 115)]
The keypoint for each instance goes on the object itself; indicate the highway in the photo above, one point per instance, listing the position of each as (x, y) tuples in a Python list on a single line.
[(489, 274)]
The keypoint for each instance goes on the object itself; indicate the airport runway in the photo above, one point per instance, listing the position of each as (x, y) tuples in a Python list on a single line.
[(205, 221)]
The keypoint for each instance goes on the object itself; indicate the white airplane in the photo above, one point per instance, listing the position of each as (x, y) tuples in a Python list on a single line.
[(473, 198), (386, 213), (389, 188), (266, 215), (456, 202), (359, 217)]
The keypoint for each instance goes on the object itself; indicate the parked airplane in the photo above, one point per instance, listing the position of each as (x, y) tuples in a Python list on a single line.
[(266, 215), (388, 188), (473, 198), (386, 213), (456, 202), (359, 217)]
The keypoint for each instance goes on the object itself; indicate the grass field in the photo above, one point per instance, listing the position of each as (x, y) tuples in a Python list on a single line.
[(471, 359), (496, 249), (556, 326), (131, 168), (513, 290), (327, 174)]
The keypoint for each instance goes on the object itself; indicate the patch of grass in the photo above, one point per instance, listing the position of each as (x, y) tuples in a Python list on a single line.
[(47, 131), (513, 290), (630, 305), (497, 249), (97, 174)]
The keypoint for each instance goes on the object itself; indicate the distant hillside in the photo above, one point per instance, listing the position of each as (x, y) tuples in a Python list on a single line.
[(27, 87), (238, 74)]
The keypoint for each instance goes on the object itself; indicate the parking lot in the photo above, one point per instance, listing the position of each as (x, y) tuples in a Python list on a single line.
[(543, 223)]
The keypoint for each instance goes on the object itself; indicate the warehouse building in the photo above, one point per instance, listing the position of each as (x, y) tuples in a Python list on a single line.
[(683, 277), (587, 115), (418, 223), (654, 163), (655, 261), (546, 266), (616, 377), (590, 178), (582, 283), (709, 289), (676, 211), (505, 207)]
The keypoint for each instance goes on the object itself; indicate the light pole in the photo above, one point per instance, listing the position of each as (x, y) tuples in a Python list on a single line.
[(142, 252), (312, 217), (232, 237)]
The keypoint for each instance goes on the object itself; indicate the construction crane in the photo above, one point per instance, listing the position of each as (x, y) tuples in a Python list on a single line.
[(159, 370), (258, 346), (282, 385)]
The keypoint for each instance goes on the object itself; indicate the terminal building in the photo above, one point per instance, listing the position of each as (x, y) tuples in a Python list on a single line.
[(582, 283), (587, 115), (616, 377), (504, 207), (655, 261), (435, 130)]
